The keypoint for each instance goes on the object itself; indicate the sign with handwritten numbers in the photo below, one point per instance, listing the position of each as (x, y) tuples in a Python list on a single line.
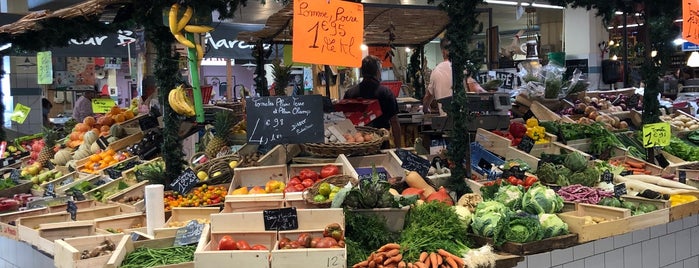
[(44, 68), (189, 234), (328, 32), (280, 219), (285, 119), (690, 14), (20, 113), (413, 162), (102, 106), (185, 182), (657, 134)]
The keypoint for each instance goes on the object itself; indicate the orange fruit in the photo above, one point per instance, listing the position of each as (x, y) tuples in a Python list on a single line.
[(80, 127), (95, 158), (96, 131), (103, 129), (74, 136), (119, 118), (128, 114), (89, 121), (108, 121)]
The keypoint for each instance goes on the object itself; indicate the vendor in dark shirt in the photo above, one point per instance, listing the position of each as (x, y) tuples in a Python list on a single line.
[(371, 88)]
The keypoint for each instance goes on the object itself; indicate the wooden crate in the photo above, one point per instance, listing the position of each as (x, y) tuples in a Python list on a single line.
[(48, 232), (79, 204), (616, 223), (311, 221), (81, 163), (126, 245), (677, 113), (10, 230), (124, 223), (394, 217), (532, 158), (108, 190), (654, 169), (252, 202), (24, 187), (67, 251), (685, 210), (130, 174), (136, 190), (248, 226), (385, 160), (92, 178), (295, 199), (65, 180), (256, 176), (583, 145), (534, 247), (637, 222), (278, 155), (500, 145), (126, 141), (181, 216)]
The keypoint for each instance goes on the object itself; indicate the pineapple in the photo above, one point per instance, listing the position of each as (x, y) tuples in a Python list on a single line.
[(46, 153), (223, 121)]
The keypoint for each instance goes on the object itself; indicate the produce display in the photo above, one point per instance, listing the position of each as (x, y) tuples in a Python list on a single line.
[(681, 122), (568, 169), (227, 242), (100, 125), (130, 200), (177, 224), (307, 177), (271, 187), (99, 161), (635, 207), (104, 248), (582, 194), (351, 137), (204, 195), (593, 109), (333, 237), (148, 147), (143, 257)]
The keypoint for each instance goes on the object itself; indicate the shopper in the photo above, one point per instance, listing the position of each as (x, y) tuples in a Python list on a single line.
[(440, 81), (83, 106), (46, 106), (371, 88)]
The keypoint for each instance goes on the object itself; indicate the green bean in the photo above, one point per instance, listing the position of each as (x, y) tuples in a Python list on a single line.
[(149, 257)]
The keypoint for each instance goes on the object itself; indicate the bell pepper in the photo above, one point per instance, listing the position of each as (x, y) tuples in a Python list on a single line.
[(532, 122)]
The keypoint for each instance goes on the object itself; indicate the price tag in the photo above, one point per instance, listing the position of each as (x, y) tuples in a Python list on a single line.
[(102, 106), (185, 182), (413, 162), (657, 134), (78, 195), (662, 162), (626, 172), (15, 175), (683, 176), (189, 234), (365, 173), (328, 32), (607, 176), (44, 68), (619, 189), (527, 115), (72, 209), (50, 190), (526, 144), (281, 219), (135, 236), (20, 113)]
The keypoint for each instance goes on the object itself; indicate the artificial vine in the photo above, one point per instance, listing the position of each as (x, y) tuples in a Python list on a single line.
[(416, 74)]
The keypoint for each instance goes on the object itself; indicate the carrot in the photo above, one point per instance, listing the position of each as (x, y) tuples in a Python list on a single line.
[(402, 264), (451, 262), (392, 252), (394, 259), (410, 265), (427, 261), (361, 264), (439, 259), (448, 254), (635, 164), (388, 247), (420, 265), (423, 256), (433, 260), (372, 264), (379, 258)]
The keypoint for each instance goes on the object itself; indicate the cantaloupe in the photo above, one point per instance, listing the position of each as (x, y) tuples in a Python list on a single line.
[(89, 137), (62, 157), (95, 148), (117, 131), (80, 154)]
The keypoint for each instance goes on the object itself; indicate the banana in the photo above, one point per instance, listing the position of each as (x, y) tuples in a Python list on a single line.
[(183, 40), (172, 100), (200, 52), (198, 28), (172, 17), (185, 103), (185, 18)]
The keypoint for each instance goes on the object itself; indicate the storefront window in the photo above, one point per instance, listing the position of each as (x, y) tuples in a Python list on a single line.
[(6, 97)]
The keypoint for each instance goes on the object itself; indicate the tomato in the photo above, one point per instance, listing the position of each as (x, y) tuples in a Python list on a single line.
[(259, 247), (514, 180), (529, 181), (227, 243), (333, 230), (329, 170), (326, 242), (304, 240), (295, 180), (307, 183), (488, 183), (243, 245), (308, 174), (284, 242), (314, 242), (300, 187)]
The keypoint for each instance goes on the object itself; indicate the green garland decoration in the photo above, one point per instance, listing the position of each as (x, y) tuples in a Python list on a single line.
[(463, 24), (415, 73)]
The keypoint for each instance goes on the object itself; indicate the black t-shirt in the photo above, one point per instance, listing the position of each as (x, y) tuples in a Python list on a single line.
[(370, 88)]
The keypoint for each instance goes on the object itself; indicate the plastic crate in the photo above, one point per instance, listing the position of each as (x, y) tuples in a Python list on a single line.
[(482, 160), (394, 86)]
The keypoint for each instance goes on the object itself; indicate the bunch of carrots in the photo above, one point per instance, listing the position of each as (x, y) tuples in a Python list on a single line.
[(637, 167), (389, 255)]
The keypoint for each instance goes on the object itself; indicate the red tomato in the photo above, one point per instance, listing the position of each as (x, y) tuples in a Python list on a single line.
[(304, 240), (529, 181), (259, 247), (295, 180), (243, 245), (227, 243), (284, 242), (308, 174), (300, 187), (307, 183), (326, 242), (329, 170)]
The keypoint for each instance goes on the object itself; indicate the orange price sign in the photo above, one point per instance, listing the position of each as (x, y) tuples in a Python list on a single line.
[(690, 18), (328, 32)]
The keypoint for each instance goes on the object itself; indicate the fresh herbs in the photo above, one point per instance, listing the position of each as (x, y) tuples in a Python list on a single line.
[(432, 226), (365, 233), (373, 193), (682, 149)]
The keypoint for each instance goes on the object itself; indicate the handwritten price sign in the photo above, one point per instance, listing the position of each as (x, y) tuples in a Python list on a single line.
[(102, 106), (690, 15), (328, 32), (44, 68), (657, 134)]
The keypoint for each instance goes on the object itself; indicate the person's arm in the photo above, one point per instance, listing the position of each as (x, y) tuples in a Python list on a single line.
[(473, 86), (429, 97)]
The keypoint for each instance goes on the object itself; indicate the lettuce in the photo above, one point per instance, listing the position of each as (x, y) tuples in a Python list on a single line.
[(488, 217), (510, 196), (520, 229), (575, 161), (540, 199), (552, 225)]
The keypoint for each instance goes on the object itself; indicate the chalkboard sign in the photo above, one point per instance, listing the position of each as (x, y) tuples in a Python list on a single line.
[(15, 175), (72, 209), (148, 122), (527, 115), (526, 144), (619, 189), (102, 143), (135, 236), (571, 65), (285, 119), (607, 176), (50, 190), (281, 219), (78, 195), (683, 176), (413, 162), (626, 172), (662, 162), (365, 173), (185, 182), (189, 234)]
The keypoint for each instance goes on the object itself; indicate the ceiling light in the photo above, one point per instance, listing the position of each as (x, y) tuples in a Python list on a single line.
[(693, 60), (509, 3), (678, 41), (363, 47), (407, 50), (653, 53), (547, 6), (249, 66), (5, 46), (615, 57), (611, 43), (627, 26)]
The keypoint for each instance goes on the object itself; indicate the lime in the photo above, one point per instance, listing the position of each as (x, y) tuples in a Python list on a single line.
[(332, 196), (320, 198), (324, 189)]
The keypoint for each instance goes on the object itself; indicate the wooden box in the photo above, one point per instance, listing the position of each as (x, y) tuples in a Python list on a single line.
[(654, 169), (134, 191), (107, 190), (60, 184), (534, 247), (660, 216), (616, 223), (255, 176), (248, 226), (79, 204), (124, 223), (685, 210), (532, 158), (181, 216), (126, 245), (311, 221), (394, 217), (48, 232), (126, 141), (500, 145), (678, 129), (278, 155), (252, 202), (92, 178), (81, 163), (129, 175), (295, 199), (8, 221), (67, 251), (363, 163), (23, 187)]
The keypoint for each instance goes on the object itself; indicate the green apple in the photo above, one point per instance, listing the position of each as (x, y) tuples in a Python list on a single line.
[(35, 180)]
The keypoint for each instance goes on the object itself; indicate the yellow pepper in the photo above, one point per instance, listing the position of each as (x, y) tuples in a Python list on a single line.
[(536, 133), (532, 122), (679, 199)]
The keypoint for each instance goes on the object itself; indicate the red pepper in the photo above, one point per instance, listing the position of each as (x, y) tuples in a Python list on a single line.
[(518, 130), (529, 181)]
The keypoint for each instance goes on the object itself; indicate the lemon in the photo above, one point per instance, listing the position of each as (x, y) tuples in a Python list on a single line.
[(202, 175), (217, 173), (233, 164)]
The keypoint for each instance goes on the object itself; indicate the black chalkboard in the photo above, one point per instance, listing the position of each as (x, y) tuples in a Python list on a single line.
[(135, 236), (607, 177), (102, 143), (662, 162), (619, 189), (281, 219), (527, 115), (526, 144), (15, 175), (148, 122), (189, 234), (72, 209), (185, 182), (683, 176), (571, 65), (50, 190), (626, 172), (365, 173), (285, 119), (413, 162)]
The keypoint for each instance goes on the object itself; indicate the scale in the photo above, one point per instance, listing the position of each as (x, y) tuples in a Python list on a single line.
[(489, 111)]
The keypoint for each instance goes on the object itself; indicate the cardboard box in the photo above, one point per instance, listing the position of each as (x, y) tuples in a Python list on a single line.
[(359, 111), (67, 251)]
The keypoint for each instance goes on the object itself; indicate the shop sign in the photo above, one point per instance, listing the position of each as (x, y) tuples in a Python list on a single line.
[(690, 15), (689, 46)]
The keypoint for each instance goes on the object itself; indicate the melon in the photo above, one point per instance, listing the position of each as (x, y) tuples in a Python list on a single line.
[(62, 157), (72, 165), (112, 139), (84, 146), (89, 137), (80, 154), (117, 131), (95, 148)]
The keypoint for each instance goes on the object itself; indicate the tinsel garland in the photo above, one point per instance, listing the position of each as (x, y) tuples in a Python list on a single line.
[(463, 24)]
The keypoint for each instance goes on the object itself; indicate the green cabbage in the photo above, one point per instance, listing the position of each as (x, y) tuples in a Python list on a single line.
[(520, 230), (488, 217), (575, 161), (552, 225), (510, 196), (540, 199), (610, 202), (588, 177), (547, 173)]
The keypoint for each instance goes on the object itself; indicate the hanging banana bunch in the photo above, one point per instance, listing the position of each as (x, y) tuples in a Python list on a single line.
[(178, 24), (179, 102)]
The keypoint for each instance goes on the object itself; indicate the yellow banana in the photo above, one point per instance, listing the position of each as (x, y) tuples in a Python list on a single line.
[(172, 100), (185, 18), (198, 28), (200, 52), (187, 106), (180, 103), (172, 17), (184, 41)]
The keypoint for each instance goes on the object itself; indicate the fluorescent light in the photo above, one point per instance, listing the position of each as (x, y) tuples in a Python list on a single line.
[(653, 53), (407, 50), (5, 46), (693, 60), (678, 41), (615, 57), (547, 6), (509, 3), (215, 62), (627, 26)]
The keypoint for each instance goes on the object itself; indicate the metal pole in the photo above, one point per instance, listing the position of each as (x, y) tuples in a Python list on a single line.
[(625, 54)]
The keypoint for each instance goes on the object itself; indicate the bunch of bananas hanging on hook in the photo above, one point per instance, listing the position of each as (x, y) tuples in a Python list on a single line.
[(179, 102), (177, 24)]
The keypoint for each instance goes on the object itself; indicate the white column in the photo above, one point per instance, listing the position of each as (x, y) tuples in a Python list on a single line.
[(583, 32)]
